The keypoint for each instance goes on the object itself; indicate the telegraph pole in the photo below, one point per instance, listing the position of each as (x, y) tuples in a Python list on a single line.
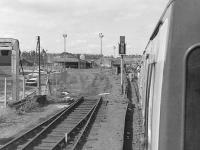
[(39, 76)]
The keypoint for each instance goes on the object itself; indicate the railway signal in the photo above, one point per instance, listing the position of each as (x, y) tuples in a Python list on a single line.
[(122, 46)]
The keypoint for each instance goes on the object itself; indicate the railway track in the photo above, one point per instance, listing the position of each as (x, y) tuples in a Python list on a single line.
[(64, 130)]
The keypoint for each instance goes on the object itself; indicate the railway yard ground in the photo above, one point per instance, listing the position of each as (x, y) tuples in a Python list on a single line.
[(108, 127)]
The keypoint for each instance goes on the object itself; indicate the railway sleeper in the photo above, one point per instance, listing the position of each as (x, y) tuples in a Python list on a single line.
[(81, 110), (76, 116), (55, 136), (57, 133), (71, 121), (51, 139), (66, 126), (85, 105), (44, 146)]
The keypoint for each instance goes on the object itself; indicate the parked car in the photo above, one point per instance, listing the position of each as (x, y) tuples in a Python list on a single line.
[(31, 82)]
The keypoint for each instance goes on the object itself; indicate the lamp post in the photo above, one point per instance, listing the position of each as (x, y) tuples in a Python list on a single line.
[(101, 36), (64, 36)]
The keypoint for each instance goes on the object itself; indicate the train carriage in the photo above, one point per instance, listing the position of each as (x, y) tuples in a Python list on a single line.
[(170, 79), (9, 63)]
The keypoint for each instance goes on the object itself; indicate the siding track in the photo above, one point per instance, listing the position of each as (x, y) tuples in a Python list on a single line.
[(71, 122)]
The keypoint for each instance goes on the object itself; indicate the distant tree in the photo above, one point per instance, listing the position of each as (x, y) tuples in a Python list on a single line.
[(32, 56)]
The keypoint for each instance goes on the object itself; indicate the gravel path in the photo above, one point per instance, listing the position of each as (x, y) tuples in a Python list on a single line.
[(138, 130), (107, 131), (12, 124)]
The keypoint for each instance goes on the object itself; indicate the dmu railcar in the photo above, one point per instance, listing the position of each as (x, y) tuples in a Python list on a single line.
[(169, 82)]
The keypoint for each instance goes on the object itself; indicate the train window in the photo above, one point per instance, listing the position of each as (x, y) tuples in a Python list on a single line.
[(5, 58), (5, 52), (192, 101)]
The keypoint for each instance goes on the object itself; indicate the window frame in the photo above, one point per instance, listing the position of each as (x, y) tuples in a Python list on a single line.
[(185, 77)]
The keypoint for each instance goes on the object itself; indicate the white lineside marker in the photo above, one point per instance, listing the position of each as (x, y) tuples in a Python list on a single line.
[(66, 137), (5, 93), (104, 94)]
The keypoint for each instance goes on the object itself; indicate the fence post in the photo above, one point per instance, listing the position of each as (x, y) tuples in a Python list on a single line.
[(122, 74), (56, 83), (23, 87), (5, 92)]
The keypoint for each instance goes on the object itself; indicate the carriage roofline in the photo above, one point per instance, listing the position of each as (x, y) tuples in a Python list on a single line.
[(158, 25), (11, 40)]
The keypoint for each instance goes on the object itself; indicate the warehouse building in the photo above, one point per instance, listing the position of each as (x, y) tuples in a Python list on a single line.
[(69, 62)]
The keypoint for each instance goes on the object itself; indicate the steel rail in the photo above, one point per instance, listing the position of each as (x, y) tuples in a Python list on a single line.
[(30, 133), (89, 116), (85, 129), (33, 143)]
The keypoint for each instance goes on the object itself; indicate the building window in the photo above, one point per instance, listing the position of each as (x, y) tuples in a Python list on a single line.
[(5, 52)]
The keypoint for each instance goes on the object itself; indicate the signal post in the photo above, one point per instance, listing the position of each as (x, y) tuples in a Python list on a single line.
[(122, 51)]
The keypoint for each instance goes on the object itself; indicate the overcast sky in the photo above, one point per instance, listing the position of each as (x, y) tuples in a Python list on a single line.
[(82, 21)]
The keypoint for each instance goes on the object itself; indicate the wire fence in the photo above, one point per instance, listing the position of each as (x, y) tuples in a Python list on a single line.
[(56, 82), (7, 89)]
